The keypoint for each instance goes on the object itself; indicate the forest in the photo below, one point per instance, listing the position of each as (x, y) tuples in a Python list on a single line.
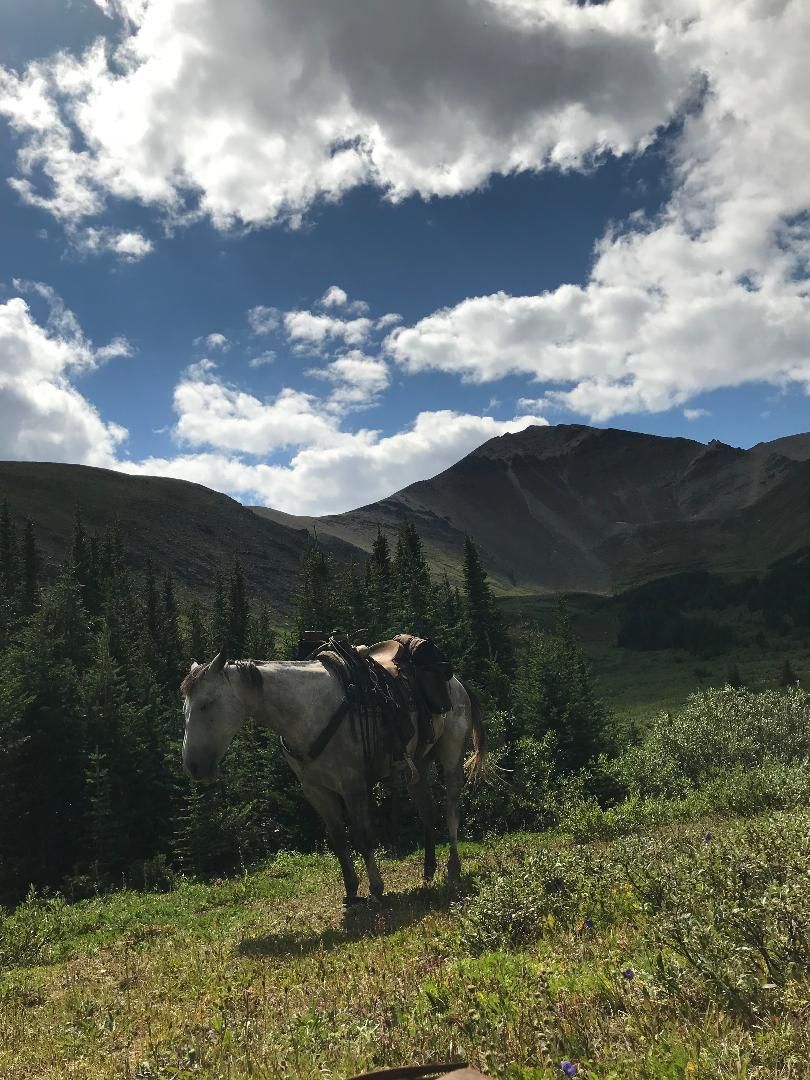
[(92, 794)]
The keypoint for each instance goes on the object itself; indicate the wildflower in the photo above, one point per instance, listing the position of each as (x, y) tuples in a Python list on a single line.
[(568, 1067), (629, 974), (588, 924), (707, 839)]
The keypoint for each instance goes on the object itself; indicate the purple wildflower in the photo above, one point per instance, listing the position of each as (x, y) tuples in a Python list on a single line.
[(568, 1067), (707, 839), (629, 974), (588, 924)]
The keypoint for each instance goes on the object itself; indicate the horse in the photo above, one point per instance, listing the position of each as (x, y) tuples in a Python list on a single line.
[(299, 700)]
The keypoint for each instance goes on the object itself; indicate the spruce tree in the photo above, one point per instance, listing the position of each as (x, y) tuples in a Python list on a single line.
[(9, 564), (488, 656), (238, 614), (219, 618), (170, 648), (316, 608), (380, 588), (30, 559), (412, 581), (197, 635), (554, 694)]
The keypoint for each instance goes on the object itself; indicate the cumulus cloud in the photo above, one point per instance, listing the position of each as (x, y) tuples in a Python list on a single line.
[(263, 359), (214, 342), (249, 112), (713, 293), (695, 414), (263, 320), (324, 479), (359, 380), (129, 245), (310, 330), (334, 297), (43, 416)]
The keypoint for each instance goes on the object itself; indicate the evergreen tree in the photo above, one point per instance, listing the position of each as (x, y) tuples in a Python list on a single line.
[(788, 676), (48, 732), (316, 608), (489, 655), (197, 636), (9, 565), (555, 694), (29, 556), (171, 651), (261, 637), (351, 600), (413, 584), (219, 618), (238, 614), (380, 589)]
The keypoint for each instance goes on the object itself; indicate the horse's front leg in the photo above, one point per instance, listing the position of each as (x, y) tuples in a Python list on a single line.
[(330, 808), (357, 810)]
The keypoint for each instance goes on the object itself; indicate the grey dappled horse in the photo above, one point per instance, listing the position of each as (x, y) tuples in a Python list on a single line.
[(297, 700)]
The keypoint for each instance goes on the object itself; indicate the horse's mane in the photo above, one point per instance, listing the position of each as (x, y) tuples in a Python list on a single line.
[(248, 671)]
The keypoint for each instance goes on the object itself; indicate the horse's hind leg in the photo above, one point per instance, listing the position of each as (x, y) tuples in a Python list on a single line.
[(330, 808), (450, 752), (422, 798), (454, 782)]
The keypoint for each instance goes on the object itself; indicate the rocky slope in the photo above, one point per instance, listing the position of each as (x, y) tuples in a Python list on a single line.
[(577, 508)]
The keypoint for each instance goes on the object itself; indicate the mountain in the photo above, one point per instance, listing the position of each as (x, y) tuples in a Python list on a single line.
[(182, 527), (575, 508)]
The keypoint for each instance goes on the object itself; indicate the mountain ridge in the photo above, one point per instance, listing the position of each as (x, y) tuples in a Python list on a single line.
[(576, 508)]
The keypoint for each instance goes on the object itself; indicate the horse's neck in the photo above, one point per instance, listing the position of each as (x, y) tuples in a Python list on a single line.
[(297, 699)]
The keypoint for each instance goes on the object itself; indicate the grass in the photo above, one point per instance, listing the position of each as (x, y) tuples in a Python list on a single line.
[(264, 976)]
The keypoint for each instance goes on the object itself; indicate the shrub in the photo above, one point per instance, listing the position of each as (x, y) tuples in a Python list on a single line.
[(717, 730)]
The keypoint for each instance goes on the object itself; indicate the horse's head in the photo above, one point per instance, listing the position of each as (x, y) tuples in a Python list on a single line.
[(214, 712)]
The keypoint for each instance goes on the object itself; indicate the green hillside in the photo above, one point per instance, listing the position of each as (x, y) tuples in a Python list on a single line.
[(657, 956)]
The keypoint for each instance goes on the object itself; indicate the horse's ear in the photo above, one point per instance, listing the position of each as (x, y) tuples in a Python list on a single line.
[(218, 663)]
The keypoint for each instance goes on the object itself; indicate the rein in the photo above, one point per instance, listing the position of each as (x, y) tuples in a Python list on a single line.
[(320, 742)]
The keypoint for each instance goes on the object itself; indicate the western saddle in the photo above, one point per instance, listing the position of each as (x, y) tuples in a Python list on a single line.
[(386, 685)]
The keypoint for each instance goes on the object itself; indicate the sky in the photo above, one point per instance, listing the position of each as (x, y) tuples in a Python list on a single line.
[(307, 252)]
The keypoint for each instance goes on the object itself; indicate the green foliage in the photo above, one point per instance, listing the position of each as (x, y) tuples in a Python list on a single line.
[(555, 694), (716, 731)]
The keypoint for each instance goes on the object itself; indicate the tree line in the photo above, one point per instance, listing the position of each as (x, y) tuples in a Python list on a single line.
[(92, 794)]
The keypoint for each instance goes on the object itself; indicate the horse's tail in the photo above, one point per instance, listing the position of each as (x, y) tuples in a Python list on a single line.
[(478, 766)]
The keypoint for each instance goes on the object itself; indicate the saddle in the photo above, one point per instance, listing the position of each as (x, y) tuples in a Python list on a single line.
[(385, 684), (418, 659)]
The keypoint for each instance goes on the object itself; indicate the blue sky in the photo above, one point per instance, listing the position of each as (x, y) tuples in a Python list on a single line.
[(275, 253)]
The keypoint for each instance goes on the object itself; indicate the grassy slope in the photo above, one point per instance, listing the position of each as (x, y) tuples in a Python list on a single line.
[(262, 976), (637, 684)]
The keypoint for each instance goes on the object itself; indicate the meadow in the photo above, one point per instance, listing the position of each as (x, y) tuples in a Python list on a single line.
[(663, 932)]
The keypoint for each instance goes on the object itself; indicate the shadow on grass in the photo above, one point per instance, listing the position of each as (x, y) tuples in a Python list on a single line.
[(370, 919)]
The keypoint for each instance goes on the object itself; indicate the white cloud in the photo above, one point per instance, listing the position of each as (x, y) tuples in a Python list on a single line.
[(328, 479), (696, 414), (215, 341), (712, 294), (249, 112), (263, 359), (263, 320), (334, 297), (42, 414), (131, 246), (359, 380), (213, 413), (308, 329)]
